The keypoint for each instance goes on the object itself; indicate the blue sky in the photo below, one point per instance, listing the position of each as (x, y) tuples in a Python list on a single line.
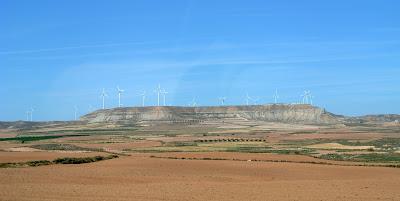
[(58, 54)]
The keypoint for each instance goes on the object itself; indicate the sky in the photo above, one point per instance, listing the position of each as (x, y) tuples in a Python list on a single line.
[(55, 55)]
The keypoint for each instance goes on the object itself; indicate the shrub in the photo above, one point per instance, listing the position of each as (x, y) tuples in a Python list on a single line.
[(38, 163), (24, 164), (68, 160)]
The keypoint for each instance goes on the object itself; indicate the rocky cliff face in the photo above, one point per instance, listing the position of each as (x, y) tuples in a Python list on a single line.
[(273, 113)]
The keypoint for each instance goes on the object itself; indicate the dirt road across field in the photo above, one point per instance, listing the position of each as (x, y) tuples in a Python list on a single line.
[(139, 177)]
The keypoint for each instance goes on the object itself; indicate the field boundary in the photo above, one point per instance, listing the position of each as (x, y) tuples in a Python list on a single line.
[(277, 161)]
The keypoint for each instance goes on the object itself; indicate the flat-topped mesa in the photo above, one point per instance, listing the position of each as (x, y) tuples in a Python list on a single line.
[(300, 113)]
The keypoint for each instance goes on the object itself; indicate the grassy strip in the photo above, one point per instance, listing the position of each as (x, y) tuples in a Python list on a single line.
[(239, 149), (384, 143), (88, 130), (380, 143), (280, 161), (270, 150), (63, 147), (57, 161), (369, 158), (181, 144), (71, 147), (37, 138)]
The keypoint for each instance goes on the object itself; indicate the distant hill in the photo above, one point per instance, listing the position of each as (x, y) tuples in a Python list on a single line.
[(28, 125), (380, 118), (18, 125), (275, 113), (285, 113)]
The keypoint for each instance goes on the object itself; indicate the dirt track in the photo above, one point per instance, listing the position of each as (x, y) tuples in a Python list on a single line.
[(142, 178)]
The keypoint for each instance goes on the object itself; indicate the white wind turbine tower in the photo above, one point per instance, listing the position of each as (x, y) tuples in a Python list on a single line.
[(276, 96), (307, 97), (120, 91), (310, 96), (248, 98), (304, 97), (158, 91), (103, 96), (31, 112), (193, 103), (222, 99), (163, 92), (75, 112), (143, 97)]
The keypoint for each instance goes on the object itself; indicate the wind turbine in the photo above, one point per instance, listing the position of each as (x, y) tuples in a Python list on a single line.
[(304, 97), (120, 91), (158, 91), (248, 98), (193, 103), (255, 100), (104, 95), (310, 97), (76, 112), (307, 97), (276, 96), (222, 99), (163, 92), (143, 97), (31, 112)]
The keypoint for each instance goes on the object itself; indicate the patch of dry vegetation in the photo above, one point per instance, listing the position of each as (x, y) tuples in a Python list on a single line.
[(62, 147), (66, 160)]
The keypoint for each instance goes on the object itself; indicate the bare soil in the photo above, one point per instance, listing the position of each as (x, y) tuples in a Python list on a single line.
[(139, 177), (199, 175)]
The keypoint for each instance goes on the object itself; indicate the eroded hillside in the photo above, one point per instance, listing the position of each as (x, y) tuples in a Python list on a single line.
[(274, 113)]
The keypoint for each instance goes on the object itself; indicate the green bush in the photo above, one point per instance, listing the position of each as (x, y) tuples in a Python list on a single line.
[(38, 163), (57, 161), (24, 164), (68, 160), (336, 157)]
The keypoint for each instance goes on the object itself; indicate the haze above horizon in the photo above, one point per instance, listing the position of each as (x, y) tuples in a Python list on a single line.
[(55, 55)]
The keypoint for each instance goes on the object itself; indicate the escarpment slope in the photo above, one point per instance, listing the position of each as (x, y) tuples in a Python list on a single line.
[(274, 113)]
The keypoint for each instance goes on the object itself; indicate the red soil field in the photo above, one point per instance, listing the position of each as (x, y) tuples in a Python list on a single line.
[(139, 177)]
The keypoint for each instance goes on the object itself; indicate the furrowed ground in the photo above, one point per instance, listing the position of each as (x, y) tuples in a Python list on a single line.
[(225, 161)]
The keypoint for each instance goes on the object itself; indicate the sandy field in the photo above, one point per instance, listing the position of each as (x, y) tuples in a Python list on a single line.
[(339, 146), (7, 135), (139, 177), (121, 145)]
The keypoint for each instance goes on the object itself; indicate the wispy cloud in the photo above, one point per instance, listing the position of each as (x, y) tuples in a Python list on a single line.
[(321, 51), (168, 46), (77, 47)]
